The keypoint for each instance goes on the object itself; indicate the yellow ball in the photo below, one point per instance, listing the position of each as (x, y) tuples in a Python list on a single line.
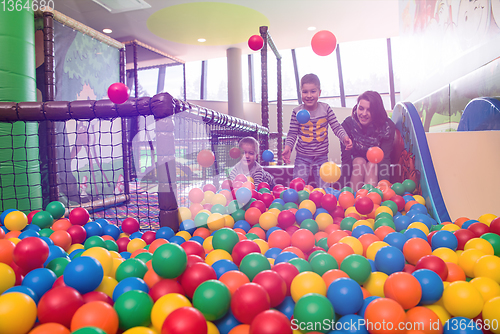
[(262, 245), (363, 222), (307, 282), (491, 313), (440, 311), (75, 247), (268, 220), (383, 209), (309, 205), (420, 226), (480, 244), (17, 313), (116, 264), (250, 179), (219, 199), (184, 234), (123, 235), (467, 260), (446, 254), (208, 195), (375, 284), (462, 299), (207, 244), (271, 261), (488, 266), (450, 227), (419, 199), (164, 306), (486, 218), (274, 211), (350, 210), (330, 172), (487, 287), (215, 221), (140, 330), (216, 255), (103, 256), (7, 277), (321, 190), (355, 244), (374, 247), (15, 241), (324, 220), (107, 285), (184, 213), (115, 255), (136, 244), (228, 221), (204, 211), (212, 329), (15, 221)]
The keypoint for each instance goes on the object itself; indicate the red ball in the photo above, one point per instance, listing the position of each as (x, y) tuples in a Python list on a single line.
[(277, 190), (31, 214), (79, 216), (400, 202), (263, 185), (78, 234), (248, 301), (235, 153), (364, 205), (409, 268), (58, 282), (286, 219), (118, 93), (338, 212), (274, 285), (267, 198), (164, 287), (279, 239), (271, 322), (193, 248), (434, 263), (316, 197), (291, 229), (259, 205), (205, 158), (185, 320), (495, 226), (255, 194), (130, 225), (242, 249), (192, 259), (227, 184), (30, 253), (59, 305), (288, 272), (149, 237), (323, 43), (93, 296), (122, 244), (303, 239), (375, 154), (255, 42), (195, 275), (462, 237), (429, 237), (478, 229), (298, 184), (329, 202)]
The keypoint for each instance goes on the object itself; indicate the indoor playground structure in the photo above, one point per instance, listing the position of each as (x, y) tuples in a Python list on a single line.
[(118, 216)]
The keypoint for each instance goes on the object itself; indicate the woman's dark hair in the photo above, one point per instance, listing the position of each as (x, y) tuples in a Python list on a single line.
[(377, 110)]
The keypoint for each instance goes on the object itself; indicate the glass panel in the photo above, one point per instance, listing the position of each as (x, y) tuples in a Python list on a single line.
[(257, 77), (244, 78), (217, 79), (174, 81), (148, 82), (193, 80), (396, 62)]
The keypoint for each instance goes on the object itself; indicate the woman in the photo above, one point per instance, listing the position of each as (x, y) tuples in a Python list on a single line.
[(368, 126)]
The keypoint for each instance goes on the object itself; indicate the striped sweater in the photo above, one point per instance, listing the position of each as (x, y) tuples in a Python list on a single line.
[(313, 135)]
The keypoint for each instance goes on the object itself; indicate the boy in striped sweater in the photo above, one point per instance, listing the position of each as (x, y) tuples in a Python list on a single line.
[(312, 137)]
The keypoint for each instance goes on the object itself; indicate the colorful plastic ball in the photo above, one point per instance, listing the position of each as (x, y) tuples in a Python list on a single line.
[(389, 259), (169, 260), (83, 267), (96, 314), (431, 284), (254, 263), (165, 286), (130, 225), (357, 267), (243, 195), (118, 93), (94, 241), (444, 239), (194, 275), (15, 221), (164, 306), (270, 322), (59, 305), (323, 43), (212, 298), (79, 234), (303, 116), (375, 154), (384, 311), (56, 209), (243, 248), (235, 153), (274, 285), (307, 282), (185, 320), (30, 253), (255, 42), (288, 272), (128, 284), (314, 308), (323, 262), (478, 228), (79, 216), (50, 328), (133, 308), (329, 172), (131, 268), (93, 228), (43, 219), (18, 313), (462, 299), (488, 266), (7, 277), (364, 205), (345, 295), (494, 240), (268, 155), (205, 158), (433, 263), (403, 288), (416, 248), (248, 301)]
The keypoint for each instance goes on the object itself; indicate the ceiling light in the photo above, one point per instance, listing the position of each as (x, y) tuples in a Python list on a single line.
[(311, 28), (107, 31), (201, 40)]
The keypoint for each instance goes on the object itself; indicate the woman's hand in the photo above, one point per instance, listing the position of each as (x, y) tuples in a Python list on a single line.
[(347, 142), (286, 154)]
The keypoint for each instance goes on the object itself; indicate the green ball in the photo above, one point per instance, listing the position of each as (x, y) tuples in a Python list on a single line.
[(347, 223), (356, 267), (58, 265), (254, 263), (225, 239), (252, 236), (89, 330), (144, 257), (134, 309), (131, 268), (219, 208), (301, 264), (94, 241), (383, 215), (264, 190), (213, 299), (46, 232), (316, 252), (42, 219), (398, 188), (303, 195), (111, 245), (409, 185), (313, 308), (56, 209), (169, 260), (76, 253), (494, 240), (349, 189), (290, 205), (391, 205), (310, 224), (201, 219), (277, 206), (232, 207), (367, 187), (238, 215), (378, 191), (323, 262), (435, 227), (384, 222), (323, 243)]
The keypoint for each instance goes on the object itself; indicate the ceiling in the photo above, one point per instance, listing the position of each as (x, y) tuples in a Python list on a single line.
[(174, 26)]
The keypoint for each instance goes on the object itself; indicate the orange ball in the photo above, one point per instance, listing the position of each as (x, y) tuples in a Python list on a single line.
[(320, 235), (403, 288), (366, 293), (382, 231), (375, 197), (155, 244), (428, 321), (339, 251), (303, 239), (6, 251), (388, 194), (331, 228), (385, 311), (252, 215), (233, 280), (61, 224), (415, 248), (95, 314), (50, 328), (62, 239), (12, 234), (205, 158), (409, 204), (260, 232), (455, 272), (366, 240), (335, 237), (295, 251), (279, 239), (151, 278), (240, 329), (331, 275), (202, 232), (374, 154), (346, 199)]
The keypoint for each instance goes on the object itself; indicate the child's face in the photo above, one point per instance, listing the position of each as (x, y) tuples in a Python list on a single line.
[(249, 154), (363, 112), (310, 96)]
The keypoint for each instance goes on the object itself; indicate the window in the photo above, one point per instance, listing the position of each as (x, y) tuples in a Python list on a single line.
[(174, 81), (148, 81), (217, 79), (193, 80)]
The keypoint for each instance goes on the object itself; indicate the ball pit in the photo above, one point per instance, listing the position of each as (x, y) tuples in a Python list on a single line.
[(252, 260)]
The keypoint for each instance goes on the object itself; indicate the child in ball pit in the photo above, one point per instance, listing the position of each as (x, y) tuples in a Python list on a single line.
[(248, 165)]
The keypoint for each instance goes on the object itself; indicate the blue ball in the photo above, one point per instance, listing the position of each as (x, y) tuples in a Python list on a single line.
[(346, 296), (243, 195), (372, 265), (25, 290), (422, 218), (188, 225), (243, 224), (198, 239), (287, 306), (290, 195), (84, 274), (401, 222), (165, 233), (279, 200), (5, 213), (351, 324), (223, 266), (272, 253), (125, 255), (32, 227), (408, 198), (177, 239), (128, 284), (461, 325), (420, 208), (136, 235), (318, 211), (112, 231), (432, 286), (468, 223), (39, 280), (285, 257), (48, 241), (103, 222), (268, 155), (303, 116), (360, 230), (271, 230), (303, 214), (75, 252), (366, 301), (55, 252), (389, 259), (93, 228), (445, 239), (415, 233), (226, 323), (396, 239), (28, 233)]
